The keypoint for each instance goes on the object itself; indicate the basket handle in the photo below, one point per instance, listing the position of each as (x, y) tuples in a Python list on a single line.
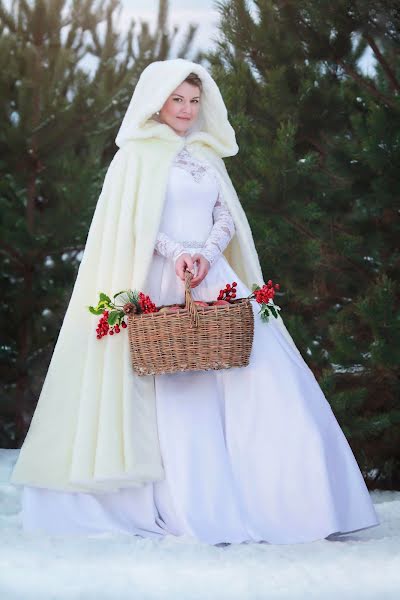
[(190, 305)]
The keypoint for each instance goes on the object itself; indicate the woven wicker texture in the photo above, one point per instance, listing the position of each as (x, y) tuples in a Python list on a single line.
[(194, 338)]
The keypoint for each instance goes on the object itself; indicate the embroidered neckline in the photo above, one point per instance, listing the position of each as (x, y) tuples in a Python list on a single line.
[(184, 160)]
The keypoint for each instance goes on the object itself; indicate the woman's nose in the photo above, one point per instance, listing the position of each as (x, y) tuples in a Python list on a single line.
[(187, 109)]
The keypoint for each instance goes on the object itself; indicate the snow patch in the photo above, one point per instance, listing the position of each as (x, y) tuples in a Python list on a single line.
[(363, 564)]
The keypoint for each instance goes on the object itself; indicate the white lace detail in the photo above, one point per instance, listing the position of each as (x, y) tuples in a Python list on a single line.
[(186, 161), (222, 230), (167, 247), (221, 233)]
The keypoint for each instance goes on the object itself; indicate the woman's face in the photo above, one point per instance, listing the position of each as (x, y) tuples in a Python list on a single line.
[(181, 108)]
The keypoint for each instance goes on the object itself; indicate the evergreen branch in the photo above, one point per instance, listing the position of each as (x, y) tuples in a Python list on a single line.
[(188, 41), (394, 84), (58, 251), (305, 231), (10, 252), (163, 9), (351, 71), (37, 353), (372, 89), (7, 19), (316, 144), (96, 43), (337, 179), (67, 249), (324, 153)]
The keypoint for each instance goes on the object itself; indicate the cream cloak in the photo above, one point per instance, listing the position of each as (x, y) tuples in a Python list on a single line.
[(94, 428)]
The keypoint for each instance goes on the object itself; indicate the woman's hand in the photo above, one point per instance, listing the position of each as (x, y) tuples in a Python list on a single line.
[(184, 262), (203, 268)]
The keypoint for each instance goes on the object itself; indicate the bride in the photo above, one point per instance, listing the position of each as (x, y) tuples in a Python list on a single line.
[(242, 454)]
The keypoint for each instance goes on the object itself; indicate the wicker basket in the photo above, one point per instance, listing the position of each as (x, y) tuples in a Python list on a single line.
[(194, 338)]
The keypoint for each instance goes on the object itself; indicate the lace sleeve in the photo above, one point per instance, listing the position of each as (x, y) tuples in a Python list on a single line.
[(221, 233), (167, 247)]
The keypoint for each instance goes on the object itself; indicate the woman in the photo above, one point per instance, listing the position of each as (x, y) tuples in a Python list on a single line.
[(242, 454)]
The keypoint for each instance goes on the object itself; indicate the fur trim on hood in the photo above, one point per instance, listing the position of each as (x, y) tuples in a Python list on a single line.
[(155, 84)]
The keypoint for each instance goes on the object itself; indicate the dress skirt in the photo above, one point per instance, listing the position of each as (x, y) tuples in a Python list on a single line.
[(250, 453)]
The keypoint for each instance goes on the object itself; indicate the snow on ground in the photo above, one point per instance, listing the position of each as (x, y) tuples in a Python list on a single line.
[(358, 566)]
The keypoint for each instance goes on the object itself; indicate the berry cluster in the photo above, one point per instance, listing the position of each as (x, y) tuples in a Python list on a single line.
[(146, 305), (117, 329), (113, 314), (103, 328), (266, 293), (229, 292)]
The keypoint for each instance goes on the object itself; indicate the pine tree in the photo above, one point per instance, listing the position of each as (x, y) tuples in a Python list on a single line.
[(58, 125), (317, 174)]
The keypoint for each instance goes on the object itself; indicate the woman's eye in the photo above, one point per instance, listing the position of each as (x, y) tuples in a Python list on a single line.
[(178, 99)]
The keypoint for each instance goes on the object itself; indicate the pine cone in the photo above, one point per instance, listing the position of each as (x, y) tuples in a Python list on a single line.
[(129, 307)]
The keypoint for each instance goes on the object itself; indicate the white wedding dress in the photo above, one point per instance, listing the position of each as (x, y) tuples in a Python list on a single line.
[(250, 454)]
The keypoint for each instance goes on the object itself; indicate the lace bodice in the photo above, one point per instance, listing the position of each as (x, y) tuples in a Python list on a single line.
[(186, 161), (222, 226)]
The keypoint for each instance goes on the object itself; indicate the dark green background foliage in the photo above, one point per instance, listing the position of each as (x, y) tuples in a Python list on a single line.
[(58, 126), (317, 173)]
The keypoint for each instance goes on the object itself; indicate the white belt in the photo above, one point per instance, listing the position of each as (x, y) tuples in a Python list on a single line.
[(192, 244)]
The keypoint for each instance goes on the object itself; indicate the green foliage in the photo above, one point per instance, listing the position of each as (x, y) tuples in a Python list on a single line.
[(318, 177), (58, 125), (114, 307), (114, 317)]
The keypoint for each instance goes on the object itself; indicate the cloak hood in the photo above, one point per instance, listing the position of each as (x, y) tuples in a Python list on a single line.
[(155, 85), (94, 428)]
